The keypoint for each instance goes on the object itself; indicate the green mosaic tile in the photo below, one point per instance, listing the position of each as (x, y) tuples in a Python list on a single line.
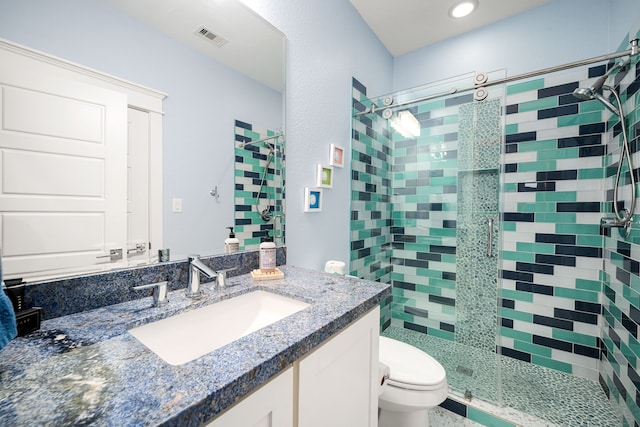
[(511, 129), (516, 295), (518, 256), (594, 241), (429, 290), (510, 187), (574, 337), (559, 153), (509, 226), (577, 294), (553, 364), (587, 229), (540, 248), (441, 334), (487, 419), (589, 106), (538, 104), (588, 285), (547, 165), (508, 313), (442, 283), (557, 196), (556, 217), (525, 86), (580, 119), (592, 173), (533, 349), (516, 335), (536, 207)]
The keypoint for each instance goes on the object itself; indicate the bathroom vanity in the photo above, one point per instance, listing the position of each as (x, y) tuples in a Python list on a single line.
[(308, 369)]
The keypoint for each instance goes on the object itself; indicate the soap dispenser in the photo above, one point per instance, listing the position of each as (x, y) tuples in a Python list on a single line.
[(267, 255), (231, 244)]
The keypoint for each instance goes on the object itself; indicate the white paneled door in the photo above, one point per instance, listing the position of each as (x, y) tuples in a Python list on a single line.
[(63, 171)]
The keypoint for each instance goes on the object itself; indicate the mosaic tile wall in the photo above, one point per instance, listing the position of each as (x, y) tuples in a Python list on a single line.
[(621, 273), (370, 196), (250, 163)]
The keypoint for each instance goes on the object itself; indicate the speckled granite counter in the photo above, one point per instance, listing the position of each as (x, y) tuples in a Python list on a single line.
[(85, 368)]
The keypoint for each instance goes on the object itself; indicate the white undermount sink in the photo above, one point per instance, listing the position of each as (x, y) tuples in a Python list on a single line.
[(187, 336)]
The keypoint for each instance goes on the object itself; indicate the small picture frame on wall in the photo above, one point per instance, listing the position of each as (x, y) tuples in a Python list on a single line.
[(324, 176), (336, 156), (312, 199)]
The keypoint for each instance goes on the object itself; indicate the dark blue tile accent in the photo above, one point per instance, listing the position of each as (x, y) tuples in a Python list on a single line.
[(567, 239), (417, 215), (632, 266), (429, 256), (510, 168), (597, 71), (452, 189), (567, 99), (515, 354), (512, 109), (556, 260), (430, 207), (446, 275), (579, 141), (530, 187), (592, 128), (557, 90), (357, 244), (509, 303), (623, 248), (447, 327), (629, 325), (416, 263), (589, 307), (633, 88), (560, 313), (578, 207), (621, 389), (404, 285), (243, 208), (534, 268), (511, 148), (243, 125), (436, 173), (593, 151), (414, 327), (520, 137), (553, 322), (404, 238), (443, 249), (507, 323), (438, 121), (358, 86), (455, 407), (457, 100), (407, 191), (552, 343), (416, 311), (449, 223), (364, 252), (571, 174), (533, 288), (582, 350), (442, 300), (518, 217), (517, 275), (566, 110), (585, 251)]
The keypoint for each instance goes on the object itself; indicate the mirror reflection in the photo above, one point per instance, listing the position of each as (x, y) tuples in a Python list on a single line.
[(222, 69)]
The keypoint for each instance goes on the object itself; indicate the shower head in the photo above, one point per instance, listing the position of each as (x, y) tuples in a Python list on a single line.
[(594, 91)]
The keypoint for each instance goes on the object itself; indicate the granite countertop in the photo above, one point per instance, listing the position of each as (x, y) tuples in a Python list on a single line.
[(85, 368)]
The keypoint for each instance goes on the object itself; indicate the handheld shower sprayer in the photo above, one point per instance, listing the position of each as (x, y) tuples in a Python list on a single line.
[(622, 217)]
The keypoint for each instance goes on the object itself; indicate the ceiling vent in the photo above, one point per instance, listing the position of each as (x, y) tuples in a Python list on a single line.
[(210, 37)]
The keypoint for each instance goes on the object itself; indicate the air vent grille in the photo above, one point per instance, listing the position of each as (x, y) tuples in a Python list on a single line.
[(210, 36)]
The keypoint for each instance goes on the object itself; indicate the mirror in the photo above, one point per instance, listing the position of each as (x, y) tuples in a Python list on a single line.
[(218, 62)]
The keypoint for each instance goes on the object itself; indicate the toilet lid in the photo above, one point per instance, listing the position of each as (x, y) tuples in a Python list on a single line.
[(410, 367)]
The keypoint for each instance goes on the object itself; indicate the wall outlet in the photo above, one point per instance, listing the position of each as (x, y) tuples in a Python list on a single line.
[(177, 205)]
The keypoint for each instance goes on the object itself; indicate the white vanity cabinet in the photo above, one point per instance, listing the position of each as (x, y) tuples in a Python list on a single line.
[(269, 406), (335, 385)]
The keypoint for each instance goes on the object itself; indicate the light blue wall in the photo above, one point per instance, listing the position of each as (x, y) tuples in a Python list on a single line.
[(204, 99), (327, 44), (559, 32)]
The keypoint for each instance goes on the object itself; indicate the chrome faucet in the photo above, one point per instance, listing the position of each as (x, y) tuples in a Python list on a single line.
[(196, 266)]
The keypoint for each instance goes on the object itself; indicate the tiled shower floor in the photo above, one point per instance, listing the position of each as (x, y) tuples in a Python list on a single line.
[(530, 392)]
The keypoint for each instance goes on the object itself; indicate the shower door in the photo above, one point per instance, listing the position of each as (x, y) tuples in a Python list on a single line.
[(444, 225)]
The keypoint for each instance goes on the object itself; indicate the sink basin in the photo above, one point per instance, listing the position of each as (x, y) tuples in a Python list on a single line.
[(187, 336)]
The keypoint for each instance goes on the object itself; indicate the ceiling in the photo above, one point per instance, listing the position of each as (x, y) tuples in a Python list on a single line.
[(253, 46), (406, 25)]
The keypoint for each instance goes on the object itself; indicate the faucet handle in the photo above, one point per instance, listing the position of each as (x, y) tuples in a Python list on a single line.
[(159, 292), (221, 277)]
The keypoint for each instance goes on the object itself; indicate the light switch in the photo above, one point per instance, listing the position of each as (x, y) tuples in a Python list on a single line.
[(177, 205)]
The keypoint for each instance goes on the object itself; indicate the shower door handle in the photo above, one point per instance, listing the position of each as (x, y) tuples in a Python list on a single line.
[(490, 238)]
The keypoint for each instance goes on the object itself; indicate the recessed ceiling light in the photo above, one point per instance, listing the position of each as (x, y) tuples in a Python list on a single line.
[(463, 8)]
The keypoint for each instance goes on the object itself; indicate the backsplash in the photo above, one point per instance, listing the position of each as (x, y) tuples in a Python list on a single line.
[(76, 294)]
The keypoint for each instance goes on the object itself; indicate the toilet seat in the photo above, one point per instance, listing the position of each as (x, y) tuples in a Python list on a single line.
[(411, 368)]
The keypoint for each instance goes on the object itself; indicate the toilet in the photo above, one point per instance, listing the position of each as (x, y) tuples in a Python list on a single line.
[(416, 383)]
